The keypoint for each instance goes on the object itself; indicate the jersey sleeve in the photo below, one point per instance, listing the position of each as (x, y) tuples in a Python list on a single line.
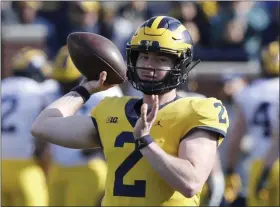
[(209, 114)]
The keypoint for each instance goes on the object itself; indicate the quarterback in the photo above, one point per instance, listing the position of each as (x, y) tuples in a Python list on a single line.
[(159, 149)]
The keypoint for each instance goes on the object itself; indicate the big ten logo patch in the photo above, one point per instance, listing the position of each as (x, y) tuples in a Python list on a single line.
[(112, 119)]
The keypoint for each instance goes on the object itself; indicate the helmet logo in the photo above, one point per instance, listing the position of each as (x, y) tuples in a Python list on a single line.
[(149, 45)]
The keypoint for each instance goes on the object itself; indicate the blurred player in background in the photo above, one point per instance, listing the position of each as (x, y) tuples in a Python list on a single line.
[(254, 114), (233, 83), (213, 190), (163, 157), (23, 180), (78, 176), (269, 176)]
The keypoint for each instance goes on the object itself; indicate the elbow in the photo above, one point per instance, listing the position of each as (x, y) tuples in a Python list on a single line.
[(189, 193), (191, 190)]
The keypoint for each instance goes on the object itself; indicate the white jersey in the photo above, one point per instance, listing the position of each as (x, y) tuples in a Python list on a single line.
[(259, 103), (22, 101), (50, 89), (73, 157)]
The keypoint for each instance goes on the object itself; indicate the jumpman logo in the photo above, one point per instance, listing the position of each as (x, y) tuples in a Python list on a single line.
[(158, 123)]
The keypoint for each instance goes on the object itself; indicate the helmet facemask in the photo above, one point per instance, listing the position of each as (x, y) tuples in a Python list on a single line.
[(173, 78)]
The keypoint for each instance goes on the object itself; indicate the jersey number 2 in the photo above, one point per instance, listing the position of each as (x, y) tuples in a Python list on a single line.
[(139, 187), (221, 119), (11, 103)]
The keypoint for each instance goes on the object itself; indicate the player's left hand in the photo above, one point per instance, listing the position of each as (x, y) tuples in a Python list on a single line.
[(145, 122)]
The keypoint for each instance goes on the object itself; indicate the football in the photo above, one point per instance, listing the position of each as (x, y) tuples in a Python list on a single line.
[(92, 54)]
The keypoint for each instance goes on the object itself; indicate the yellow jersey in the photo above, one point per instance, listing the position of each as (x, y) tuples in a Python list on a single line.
[(131, 181)]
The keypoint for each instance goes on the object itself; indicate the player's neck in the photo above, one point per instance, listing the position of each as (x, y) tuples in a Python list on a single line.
[(163, 99)]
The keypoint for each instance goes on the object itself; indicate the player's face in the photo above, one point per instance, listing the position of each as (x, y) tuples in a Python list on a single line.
[(156, 65)]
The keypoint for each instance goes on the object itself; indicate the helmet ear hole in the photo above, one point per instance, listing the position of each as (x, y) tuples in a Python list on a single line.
[(134, 56)]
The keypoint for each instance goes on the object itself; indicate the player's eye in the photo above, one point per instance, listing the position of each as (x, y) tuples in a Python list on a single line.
[(144, 57), (162, 59)]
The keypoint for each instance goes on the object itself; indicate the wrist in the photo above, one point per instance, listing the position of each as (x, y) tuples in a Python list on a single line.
[(90, 89), (82, 91), (142, 142), (85, 85)]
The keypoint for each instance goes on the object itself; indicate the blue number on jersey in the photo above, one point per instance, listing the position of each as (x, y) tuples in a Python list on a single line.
[(221, 119), (9, 105), (139, 187), (261, 118)]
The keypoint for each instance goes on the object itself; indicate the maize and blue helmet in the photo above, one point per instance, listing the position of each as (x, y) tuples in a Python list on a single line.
[(166, 35)]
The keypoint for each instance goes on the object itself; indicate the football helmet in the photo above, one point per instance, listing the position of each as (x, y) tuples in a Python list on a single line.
[(166, 35), (64, 69), (31, 63), (270, 59)]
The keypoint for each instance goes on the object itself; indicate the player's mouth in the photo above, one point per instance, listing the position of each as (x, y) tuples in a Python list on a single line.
[(148, 77)]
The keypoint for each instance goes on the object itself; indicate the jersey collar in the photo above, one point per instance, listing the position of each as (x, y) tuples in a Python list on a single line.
[(133, 109)]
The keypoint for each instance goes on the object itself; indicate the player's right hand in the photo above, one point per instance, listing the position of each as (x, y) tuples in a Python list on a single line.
[(233, 187), (96, 86)]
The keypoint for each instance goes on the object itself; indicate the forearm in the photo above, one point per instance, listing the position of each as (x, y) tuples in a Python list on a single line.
[(217, 186), (67, 105), (234, 145), (178, 173), (216, 183), (235, 135), (56, 124), (234, 149), (272, 154)]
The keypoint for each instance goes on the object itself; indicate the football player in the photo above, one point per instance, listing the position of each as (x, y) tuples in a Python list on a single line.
[(160, 149), (234, 191), (254, 115), (269, 176), (78, 176), (23, 180)]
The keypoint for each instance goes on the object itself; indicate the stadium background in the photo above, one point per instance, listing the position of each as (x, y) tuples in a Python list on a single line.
[(228, 36)]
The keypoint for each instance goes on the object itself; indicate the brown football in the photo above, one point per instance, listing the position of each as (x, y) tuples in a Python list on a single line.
[(92, 54)]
